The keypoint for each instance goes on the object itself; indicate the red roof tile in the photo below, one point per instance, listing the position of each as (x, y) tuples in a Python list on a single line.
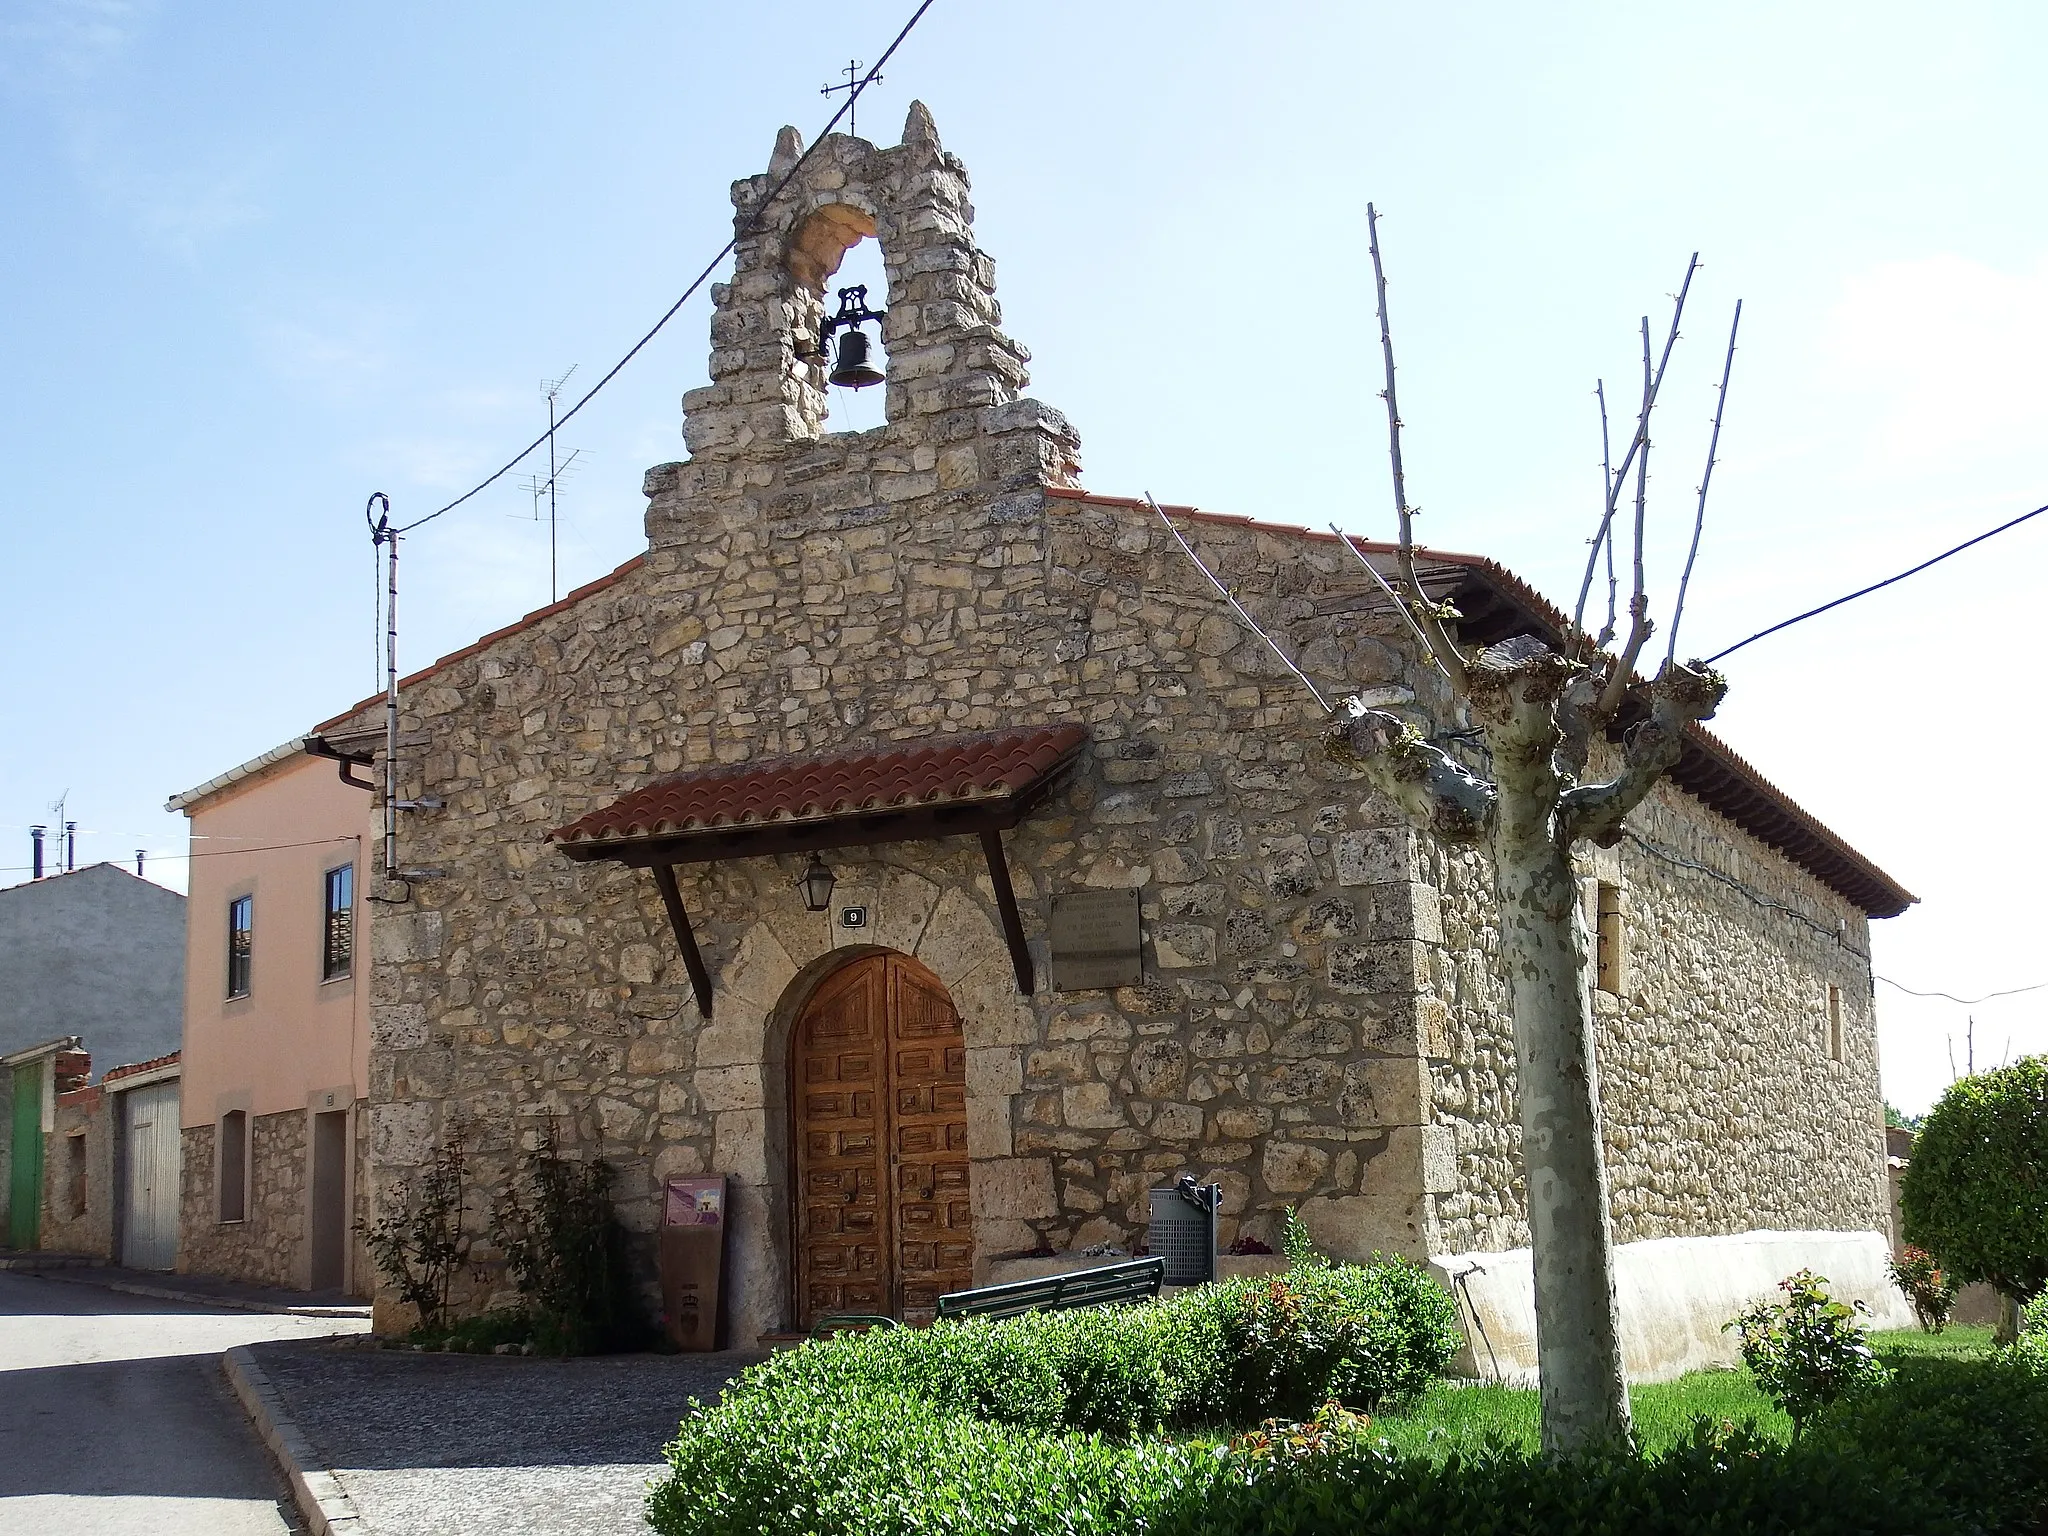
[(937, 770)]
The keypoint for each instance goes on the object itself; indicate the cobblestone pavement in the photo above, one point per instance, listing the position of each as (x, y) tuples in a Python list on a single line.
[(463, 1445)]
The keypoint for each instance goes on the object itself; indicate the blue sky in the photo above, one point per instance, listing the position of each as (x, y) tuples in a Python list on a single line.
[(263, 260)]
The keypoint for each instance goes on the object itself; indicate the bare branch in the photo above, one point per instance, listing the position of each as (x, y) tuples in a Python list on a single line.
[(1435, 790), (1238, 608), (1613, 588), (1640, 443), (1639, 625), (1680, 695), (1699, 520), (1600, 533), (1400, 607), (1426, 613)]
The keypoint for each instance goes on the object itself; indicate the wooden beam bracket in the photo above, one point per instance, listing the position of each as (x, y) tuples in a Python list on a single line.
[(686, 941), (1006, 904)]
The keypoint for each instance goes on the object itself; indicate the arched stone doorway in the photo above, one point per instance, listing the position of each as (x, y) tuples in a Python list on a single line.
[(878, 1103)]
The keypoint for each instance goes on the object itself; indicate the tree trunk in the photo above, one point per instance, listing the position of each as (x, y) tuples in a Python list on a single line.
[(1543, 947)]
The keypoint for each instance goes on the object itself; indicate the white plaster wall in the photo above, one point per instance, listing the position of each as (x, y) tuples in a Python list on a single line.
[(1674, 1293)]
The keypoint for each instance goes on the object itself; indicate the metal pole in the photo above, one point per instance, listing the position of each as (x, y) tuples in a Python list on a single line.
[(391, 711), (554, 585), (382, 533)]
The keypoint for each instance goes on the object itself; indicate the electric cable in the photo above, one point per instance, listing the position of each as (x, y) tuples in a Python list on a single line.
[(1965, 1001), (212, 853), (702, 277), (1874, 586)]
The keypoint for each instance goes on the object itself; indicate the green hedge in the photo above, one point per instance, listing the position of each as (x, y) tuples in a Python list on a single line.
[(1004, 1423), (978, 1428)]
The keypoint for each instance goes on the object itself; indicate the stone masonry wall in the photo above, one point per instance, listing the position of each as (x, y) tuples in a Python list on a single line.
[(78, 1213), (267, 1246), (805, 591), (1724, 1110)]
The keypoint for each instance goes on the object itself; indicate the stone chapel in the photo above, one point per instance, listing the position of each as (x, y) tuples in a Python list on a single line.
[(921, 670)]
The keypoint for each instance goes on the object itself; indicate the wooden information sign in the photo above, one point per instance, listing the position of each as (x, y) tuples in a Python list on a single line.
[(1096, 940)]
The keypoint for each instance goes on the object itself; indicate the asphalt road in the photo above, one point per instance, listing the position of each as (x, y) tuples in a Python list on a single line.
[(115, 1417)]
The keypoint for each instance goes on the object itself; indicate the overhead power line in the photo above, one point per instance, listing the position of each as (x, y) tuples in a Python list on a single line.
[(1967, 1002), (701, 279), (216, 853), (1878, 586)]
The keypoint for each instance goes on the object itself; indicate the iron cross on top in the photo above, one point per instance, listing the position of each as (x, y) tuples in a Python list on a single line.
[(852, 89)]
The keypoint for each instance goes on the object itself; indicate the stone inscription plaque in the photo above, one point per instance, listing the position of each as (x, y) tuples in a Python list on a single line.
[(1095, 940)]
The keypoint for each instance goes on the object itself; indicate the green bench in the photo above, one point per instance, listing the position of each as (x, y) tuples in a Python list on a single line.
[(1139, 1280)]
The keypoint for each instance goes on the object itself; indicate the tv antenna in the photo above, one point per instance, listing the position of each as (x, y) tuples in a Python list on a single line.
[(852, 88), (538, 487)]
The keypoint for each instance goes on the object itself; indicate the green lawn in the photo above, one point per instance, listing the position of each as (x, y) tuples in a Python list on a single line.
[(1454, 1417)]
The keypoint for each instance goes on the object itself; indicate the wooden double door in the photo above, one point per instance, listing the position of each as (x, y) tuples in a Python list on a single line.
[(879, 1097)]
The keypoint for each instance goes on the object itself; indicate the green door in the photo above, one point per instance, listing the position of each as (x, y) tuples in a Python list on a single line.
[(25, 1181)]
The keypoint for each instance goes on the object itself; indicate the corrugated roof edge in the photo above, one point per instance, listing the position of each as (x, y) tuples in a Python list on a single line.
[(296, 747), (115, 1074), (1752, 801)]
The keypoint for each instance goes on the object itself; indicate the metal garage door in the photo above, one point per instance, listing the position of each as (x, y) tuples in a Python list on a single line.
[(149, 1204)]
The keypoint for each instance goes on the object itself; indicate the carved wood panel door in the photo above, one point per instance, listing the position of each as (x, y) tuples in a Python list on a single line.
[(880, 1097)]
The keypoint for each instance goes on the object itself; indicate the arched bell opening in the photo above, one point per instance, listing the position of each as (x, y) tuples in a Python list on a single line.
[(840, 298), (880, 1217)]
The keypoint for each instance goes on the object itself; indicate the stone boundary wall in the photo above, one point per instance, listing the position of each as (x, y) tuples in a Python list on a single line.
[(267, 1247)]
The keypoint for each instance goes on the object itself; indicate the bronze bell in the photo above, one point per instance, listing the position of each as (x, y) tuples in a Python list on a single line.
[(853, 370)]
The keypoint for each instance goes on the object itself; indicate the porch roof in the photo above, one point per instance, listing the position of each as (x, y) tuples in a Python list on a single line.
[(927, 787)]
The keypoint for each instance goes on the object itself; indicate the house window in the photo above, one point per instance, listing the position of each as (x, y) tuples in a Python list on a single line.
[(234, 1163), (338, 925), (1834, 1023), (241, 921), (1608, 936)]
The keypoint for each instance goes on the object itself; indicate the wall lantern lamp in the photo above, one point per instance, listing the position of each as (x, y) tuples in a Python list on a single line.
[(852, 370), (817, 882)]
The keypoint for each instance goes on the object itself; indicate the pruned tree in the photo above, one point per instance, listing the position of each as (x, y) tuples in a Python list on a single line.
[(1539, 706)]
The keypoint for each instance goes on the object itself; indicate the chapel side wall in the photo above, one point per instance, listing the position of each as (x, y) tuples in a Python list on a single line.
[(1722, 1108)]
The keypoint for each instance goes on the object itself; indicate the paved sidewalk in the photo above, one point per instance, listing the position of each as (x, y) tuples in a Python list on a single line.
[(205, 1290), (464, 1445)]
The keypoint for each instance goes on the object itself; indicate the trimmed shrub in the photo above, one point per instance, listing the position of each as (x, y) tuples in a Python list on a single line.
[(830, 1440), (1044, 1422), (1975, 1193)]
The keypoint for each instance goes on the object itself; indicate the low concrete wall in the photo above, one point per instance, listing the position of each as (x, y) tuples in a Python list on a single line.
[(1675, 1293)]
